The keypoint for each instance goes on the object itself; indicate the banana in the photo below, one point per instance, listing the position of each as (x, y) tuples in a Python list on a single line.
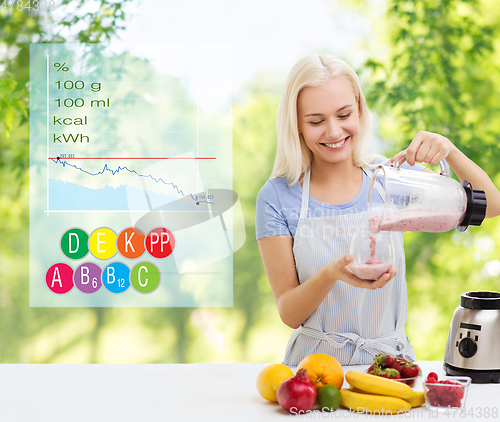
[(357, 390), (371, 403), (378, 385), (417, 401)]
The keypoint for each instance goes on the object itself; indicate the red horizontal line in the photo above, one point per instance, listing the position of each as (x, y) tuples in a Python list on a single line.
[(131, 158)]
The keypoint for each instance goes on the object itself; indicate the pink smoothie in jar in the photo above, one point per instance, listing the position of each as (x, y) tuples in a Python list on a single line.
[(418, 221)]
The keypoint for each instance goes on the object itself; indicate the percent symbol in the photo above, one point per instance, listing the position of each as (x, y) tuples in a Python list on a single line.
[(62, 67)]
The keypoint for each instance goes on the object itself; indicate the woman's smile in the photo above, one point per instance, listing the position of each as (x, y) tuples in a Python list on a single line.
[(336, 145)]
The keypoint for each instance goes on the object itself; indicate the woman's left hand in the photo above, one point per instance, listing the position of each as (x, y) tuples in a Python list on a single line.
[(426, 147)]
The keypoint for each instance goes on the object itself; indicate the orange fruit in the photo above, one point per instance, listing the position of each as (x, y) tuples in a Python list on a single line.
[(323, 370), (270, 378)]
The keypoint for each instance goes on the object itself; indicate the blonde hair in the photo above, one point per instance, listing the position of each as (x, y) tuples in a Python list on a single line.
[(293, 157)]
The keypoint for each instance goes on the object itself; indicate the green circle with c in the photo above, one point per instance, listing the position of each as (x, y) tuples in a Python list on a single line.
[(145, 277), (75, 243)]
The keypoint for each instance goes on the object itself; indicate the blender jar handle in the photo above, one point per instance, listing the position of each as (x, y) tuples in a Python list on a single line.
[(444, 168)]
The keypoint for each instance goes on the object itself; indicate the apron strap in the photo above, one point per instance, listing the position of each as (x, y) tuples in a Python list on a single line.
[(305, 194), (388, 343)]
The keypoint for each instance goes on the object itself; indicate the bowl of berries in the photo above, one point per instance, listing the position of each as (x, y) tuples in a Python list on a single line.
[(395, 368), (447, 394)]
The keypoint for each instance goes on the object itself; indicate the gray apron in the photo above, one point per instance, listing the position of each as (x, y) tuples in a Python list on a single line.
[(352, 324)]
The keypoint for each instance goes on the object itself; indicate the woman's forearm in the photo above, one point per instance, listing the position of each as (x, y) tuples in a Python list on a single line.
[(466, 169), (297, 304), (297, 301)]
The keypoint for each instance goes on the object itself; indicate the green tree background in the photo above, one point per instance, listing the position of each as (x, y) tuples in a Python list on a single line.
[(434, 65)]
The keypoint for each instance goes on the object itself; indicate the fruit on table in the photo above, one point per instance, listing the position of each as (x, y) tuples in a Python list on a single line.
[(410, 370), (389, 373), (417, 401), (365, 403), (447, 393), (297, 393), (378, 385), (270, 378), (383, 360), (405, 368), (329, 398), (323, 370)]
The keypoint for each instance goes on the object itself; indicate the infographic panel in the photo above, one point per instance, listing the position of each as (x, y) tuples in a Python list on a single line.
[(131, 200)]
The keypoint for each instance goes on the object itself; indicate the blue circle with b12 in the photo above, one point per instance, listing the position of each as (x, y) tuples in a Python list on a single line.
[(116, 277)]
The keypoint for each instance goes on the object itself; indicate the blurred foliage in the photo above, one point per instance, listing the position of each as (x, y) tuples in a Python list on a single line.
[(25, 332), (442, 74)]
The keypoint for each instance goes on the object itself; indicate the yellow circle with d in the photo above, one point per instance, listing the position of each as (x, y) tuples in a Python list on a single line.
[(102, 243)]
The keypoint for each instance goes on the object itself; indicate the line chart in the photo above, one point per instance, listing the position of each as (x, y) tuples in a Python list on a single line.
[(119, 168)]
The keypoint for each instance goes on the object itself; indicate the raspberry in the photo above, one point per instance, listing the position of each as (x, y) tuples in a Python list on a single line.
[(432, 377), (459, 393), (447, 397), (434, 401)]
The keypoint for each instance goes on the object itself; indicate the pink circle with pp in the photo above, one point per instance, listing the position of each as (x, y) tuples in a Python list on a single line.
[(59, 278)]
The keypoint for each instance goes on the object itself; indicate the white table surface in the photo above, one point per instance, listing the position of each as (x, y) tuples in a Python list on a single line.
[(174, 392)]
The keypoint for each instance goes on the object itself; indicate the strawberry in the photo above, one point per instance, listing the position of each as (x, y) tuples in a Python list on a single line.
[(375, 371), (390, 373), (384, 360), (397, 366), (410, 370)]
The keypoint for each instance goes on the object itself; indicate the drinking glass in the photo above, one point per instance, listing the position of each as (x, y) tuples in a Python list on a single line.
[(373, 254)]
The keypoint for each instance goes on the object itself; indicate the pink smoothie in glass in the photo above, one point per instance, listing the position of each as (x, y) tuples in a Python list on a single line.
[(370, 270), (373, 268)]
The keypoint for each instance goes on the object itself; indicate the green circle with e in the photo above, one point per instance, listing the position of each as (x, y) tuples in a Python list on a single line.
[(145, 277), (75, 243)]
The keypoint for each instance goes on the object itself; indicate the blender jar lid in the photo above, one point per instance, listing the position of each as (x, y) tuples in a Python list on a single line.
[(480, 300)]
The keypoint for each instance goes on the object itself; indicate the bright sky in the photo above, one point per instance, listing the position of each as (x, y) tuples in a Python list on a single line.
[(266, 35)]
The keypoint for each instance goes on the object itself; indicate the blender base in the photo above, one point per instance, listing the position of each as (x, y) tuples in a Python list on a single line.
[(479, 376)]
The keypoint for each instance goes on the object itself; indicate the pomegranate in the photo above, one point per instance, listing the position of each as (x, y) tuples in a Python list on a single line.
[(297, 394)]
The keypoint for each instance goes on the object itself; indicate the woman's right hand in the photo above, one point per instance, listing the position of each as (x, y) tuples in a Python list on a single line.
[(340, 269)]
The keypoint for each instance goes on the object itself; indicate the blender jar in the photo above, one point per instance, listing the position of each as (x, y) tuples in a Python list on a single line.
[(418, 201)]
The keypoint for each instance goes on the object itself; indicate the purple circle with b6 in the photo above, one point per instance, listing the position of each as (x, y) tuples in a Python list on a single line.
[(87, 277)]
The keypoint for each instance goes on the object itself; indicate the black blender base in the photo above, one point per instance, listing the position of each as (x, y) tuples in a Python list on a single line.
[(479, 376)]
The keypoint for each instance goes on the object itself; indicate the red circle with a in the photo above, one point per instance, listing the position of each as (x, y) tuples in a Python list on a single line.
[(59, 278), (160, 242)]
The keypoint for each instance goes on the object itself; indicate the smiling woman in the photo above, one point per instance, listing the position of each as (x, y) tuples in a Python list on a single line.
[(307, 213), (314, 202), (329, 131)]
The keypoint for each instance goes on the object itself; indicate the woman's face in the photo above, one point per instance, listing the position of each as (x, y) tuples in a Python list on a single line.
[(328, 119)]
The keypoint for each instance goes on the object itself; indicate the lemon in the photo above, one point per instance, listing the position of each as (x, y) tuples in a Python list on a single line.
[(329, 398), (270, 378)]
